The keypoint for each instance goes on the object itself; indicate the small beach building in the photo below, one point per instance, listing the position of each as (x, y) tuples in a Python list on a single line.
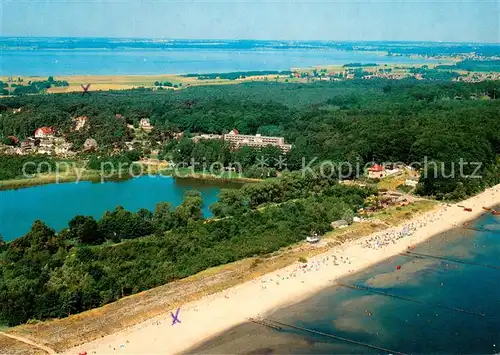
[(313, 238), (339, 224)]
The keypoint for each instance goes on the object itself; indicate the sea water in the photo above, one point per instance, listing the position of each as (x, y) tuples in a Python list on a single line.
[(421, 321), (114, 56)]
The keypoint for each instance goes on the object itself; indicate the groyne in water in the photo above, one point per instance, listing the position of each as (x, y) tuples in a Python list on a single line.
[(438, 305), (465, 262), (316, 332), (264, 323), (482, 230)]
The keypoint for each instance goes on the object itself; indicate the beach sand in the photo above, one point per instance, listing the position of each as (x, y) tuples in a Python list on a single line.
[(207, 317)]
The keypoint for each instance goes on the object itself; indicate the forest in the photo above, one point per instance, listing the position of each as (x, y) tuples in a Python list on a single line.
[(352, 121)]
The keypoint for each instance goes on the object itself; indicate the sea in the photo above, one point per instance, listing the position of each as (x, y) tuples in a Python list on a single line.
[(32, 56), (446, 302)]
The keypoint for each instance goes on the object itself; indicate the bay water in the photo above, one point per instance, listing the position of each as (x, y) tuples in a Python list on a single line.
[(115, 56)]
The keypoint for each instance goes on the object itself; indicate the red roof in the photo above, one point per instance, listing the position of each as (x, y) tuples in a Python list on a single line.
[(376, 167), (45, 130), (14, 139), (234, 131), (118, 115)]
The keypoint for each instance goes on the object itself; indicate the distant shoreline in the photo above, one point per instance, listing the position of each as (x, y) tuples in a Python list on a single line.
[(179, 81), (123, 57)]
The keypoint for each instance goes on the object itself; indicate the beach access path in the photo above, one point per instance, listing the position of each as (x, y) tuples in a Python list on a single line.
[(179, 329)]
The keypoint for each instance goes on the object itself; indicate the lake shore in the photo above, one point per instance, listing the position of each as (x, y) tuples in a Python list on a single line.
[(216, 313), (216, 178), (96, 176), (52, 178)]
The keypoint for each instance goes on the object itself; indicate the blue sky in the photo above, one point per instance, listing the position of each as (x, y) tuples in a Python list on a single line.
[(429, 20)]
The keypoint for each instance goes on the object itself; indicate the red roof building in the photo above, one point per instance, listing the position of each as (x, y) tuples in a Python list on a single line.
[(43, 132), (13, 139), (376, 167), (376, 172)]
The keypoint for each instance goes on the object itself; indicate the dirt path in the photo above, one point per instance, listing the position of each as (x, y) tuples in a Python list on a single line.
[(29, 342)]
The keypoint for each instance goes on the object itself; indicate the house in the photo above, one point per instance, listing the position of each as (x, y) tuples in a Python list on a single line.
[(377, 172), (238, 140), (29, 145), (339, 224), (145, 124), (46, 146), (118, 115), (19, 151), (14, 140), (411, 181), (44, 132), (80, 122), (17, 110), (257, 141), (89, 144), (129, 145), (179, 135), (63, 149), (207, 136), (8, 150)]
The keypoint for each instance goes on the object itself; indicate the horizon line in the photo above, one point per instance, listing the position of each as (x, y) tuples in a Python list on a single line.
[(254, 39)]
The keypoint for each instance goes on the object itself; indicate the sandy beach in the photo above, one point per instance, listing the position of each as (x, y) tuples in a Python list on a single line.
[(207, 317)]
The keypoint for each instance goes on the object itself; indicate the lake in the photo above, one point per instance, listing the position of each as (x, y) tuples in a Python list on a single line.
[(426, 316), (111, 56), (57, 204)]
